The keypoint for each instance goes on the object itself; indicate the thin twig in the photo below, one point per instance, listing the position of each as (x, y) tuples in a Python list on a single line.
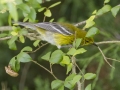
[(113, 59), (5, 38), (105, 57), (84, 22), (107, 42), (45, 69), (38, 48), (6, 28), (74, 71)]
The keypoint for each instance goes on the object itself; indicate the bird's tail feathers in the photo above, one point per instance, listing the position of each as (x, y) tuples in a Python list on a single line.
[(27, 25)]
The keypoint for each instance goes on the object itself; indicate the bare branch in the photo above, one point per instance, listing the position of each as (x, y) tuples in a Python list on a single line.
[(84, 22), (107, 42), (5, 38), (6, 28)]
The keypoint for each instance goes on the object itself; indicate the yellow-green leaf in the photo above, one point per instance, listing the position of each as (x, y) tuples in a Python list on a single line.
[(55, 4), (115, 10), (21, 38), (48, 13)]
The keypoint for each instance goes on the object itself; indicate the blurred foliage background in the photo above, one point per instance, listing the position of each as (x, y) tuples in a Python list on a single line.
[(31, 77)]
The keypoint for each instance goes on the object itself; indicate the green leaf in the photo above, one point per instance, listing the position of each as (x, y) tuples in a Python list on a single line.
[(11, 43), (46, 56), (3, 35), (41, 9), (106, 1), (89, 76), (79, 51), (76, 79), (71, 51), (69, 68), (36, 43), (103, 10), (14, 64), (23, 57), (66, 60), (56, 56), (68, 81), (27, 48), (89, 22), (94, 12), (48, 13), (32, 14), (77, 42), (56, 84), (89, 87), (55, 4), (39, 1), (115, 10), (92, 31), (51, 20), (13, 11), (21, 38), (24, 7)]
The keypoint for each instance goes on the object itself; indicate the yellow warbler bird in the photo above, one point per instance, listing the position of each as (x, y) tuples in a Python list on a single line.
[(58, 34)]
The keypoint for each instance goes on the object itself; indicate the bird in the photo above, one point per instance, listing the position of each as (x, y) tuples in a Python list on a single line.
[(58, 34)]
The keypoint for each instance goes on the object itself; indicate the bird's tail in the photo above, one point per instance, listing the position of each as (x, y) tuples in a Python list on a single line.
[(27, 25)]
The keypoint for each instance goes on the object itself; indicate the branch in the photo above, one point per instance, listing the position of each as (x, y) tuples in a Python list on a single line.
[(74, 71), (107, 42), (5, 38), (84, 22), (45, 69), (6, 28)]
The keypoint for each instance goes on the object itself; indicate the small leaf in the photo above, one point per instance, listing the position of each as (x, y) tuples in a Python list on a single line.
[(27, 48), (68, 81), (56, 84), (89, 22), (11, 43), (106, 1), (66, 60), (89, 76), (24, 7), (76, 79), (41, 9), (79, 51), (94, 12), (115, 10), (71, 51), (69, 68), (55, 4), (89, 87), (56, 56), (48, 13), (36, 43), (46, 56), (3, 35), (92, 31), (77, 42), (39, 1), (12, 63), (103, 10), (32, 14), (13, 11), (51, 20), (21, 38), (23, 57)]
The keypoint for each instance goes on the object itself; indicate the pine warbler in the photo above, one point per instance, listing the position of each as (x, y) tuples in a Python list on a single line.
[(58, 34)]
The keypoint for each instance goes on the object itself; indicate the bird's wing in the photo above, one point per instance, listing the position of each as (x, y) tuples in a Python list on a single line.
[(54, 27)]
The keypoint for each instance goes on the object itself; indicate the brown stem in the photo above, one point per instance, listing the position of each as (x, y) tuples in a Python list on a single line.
[(45, 69)]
